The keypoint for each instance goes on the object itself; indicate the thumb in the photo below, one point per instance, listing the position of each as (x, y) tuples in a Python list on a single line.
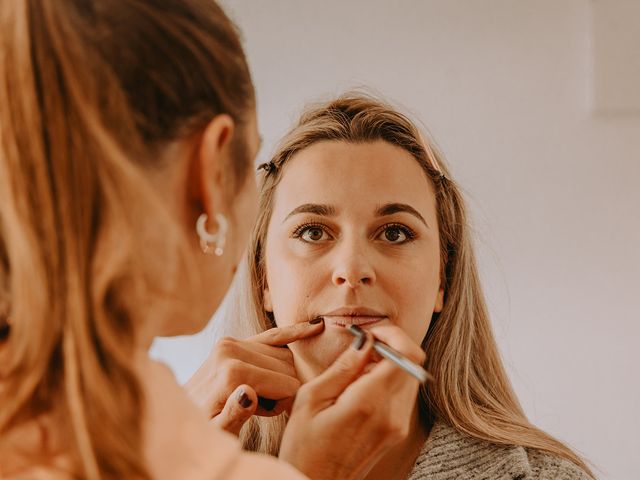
[(239, 408), (328, 386)]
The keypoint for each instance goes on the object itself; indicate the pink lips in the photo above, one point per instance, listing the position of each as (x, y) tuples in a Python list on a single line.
[(361, 316)]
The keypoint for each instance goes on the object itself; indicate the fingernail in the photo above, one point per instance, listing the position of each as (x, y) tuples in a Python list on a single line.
[(267, 403), (244, 400), (360, 340), (315, 321), (356, 330)]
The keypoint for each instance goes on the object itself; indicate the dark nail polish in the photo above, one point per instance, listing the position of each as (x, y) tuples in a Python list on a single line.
[(267, 403), (359, 341), (316, 320), (356, 330), (244, 400)]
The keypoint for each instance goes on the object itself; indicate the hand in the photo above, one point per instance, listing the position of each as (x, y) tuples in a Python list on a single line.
[(256, 376), (343, 421)]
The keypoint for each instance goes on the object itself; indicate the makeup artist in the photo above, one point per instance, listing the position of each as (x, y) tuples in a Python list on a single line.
[(127, 136), (383, 244)]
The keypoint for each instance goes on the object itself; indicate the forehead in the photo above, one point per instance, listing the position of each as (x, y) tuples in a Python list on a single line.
[(357, 176)]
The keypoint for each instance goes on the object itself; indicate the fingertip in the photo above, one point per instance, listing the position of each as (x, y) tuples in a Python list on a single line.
[(396, 338), (315, 325), (243, 399), (363, 341), (337, 377), (359, 341), (246, 397)]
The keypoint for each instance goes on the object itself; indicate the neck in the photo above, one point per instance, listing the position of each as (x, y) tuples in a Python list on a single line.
[(398, 462), (145, 336)]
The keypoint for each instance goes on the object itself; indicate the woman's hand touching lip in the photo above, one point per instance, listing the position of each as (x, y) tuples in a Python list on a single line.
[(353, 315)]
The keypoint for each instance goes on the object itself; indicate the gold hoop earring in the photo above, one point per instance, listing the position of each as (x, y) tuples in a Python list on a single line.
[(212, 242)]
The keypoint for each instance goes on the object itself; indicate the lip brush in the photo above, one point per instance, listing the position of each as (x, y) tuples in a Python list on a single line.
[(396, 357)]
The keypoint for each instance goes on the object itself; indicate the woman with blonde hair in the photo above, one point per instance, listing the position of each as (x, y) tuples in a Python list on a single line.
[(361, 223), (127, 134)]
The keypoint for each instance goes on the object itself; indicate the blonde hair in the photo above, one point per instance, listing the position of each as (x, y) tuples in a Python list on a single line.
[(90, 91), (471, 391)]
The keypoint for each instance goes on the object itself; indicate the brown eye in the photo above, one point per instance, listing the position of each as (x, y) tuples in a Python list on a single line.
[(313, 234), (396, 234), (393, 234)]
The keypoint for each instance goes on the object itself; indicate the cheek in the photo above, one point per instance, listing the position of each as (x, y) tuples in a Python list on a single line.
[(415, 295), (290, 289), (415, 318)]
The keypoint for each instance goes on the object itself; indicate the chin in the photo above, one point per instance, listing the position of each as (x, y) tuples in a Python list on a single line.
[(314, 355)]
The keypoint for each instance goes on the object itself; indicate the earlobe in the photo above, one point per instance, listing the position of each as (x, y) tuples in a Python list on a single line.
[(439, 301), (266, 301)]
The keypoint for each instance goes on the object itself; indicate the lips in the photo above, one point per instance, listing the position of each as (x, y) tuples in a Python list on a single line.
[(361, 316), (343, 321)]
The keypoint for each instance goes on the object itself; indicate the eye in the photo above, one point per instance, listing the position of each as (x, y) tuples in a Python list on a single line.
[(397, 234), (311, 233)]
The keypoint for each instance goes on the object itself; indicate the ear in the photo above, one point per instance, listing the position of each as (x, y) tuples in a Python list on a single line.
[(211, 164), (266, 300), (439, 301)]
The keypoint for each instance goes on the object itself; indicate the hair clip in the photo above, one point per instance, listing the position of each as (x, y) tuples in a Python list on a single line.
[(268, 167), (5, 328), (440, 176)]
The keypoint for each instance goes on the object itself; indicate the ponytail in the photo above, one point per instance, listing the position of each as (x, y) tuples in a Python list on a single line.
[(68, 353), (78, 215)]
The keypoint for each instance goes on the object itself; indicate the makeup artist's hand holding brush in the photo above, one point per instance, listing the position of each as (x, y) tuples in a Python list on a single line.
[(254, 376), (345, 420)]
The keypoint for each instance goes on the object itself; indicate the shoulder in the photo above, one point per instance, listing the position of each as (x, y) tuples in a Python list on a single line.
[(546, 466), (181, 443), (449, 454)]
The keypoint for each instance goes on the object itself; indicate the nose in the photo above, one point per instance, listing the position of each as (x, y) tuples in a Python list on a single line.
[(353, 265)]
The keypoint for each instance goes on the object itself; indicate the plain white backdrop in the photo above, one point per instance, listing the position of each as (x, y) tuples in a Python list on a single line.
[(540, 122)]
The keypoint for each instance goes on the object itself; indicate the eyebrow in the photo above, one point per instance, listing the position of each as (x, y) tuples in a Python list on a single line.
[(330, 211), (391, 208), (315, 208)]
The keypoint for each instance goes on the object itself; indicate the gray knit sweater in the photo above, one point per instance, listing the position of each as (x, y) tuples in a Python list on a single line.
[(449, 454)]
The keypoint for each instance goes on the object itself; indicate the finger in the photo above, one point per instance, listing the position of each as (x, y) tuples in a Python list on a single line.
[(284, 335), (266, 383), (386, 374), (228, 344), (397, 339), (262, 356), (384, 381), (239, 408), (334, 380), (273, 351), (213, 394)]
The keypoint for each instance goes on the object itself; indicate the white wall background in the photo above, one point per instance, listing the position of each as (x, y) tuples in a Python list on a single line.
[(528, 101)]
